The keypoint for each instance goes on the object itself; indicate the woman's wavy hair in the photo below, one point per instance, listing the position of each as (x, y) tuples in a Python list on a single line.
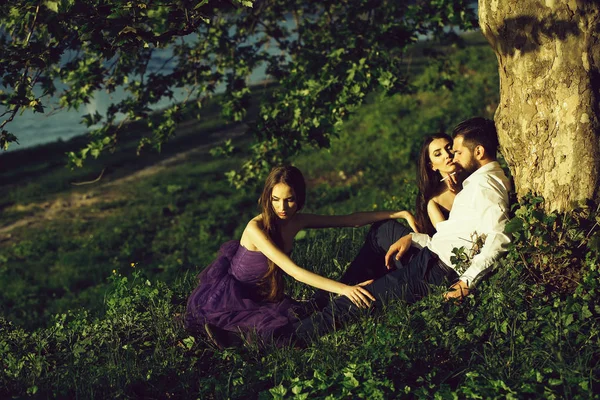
[(272, 284), (428, 183)]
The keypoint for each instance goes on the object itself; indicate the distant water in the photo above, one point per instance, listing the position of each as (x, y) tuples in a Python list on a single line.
[(34, 129)]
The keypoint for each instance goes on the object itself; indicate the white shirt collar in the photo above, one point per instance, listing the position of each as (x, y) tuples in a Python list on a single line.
[(481, 171)]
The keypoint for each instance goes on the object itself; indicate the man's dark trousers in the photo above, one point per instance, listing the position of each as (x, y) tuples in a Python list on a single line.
[(415, 273)]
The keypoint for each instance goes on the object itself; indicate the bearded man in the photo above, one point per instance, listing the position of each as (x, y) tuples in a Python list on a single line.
[(417, 262)]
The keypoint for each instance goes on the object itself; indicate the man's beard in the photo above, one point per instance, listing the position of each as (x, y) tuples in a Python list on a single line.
[(471, 167)]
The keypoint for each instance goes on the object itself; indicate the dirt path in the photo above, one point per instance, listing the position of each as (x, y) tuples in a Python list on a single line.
[(105, 190)]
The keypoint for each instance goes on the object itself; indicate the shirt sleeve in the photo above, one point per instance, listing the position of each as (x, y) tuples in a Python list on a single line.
[(493, 207), (420, 239)]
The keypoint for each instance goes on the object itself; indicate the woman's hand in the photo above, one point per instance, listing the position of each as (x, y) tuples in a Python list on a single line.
[(452, 182), (410, 219), (411, 222), (359, 295)]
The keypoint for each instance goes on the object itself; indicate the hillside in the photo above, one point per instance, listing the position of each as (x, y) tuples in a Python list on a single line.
[(94, 278)]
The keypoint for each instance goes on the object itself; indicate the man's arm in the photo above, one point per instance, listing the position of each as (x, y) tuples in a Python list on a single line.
[(493, 208), (420, 239), (400, 247)]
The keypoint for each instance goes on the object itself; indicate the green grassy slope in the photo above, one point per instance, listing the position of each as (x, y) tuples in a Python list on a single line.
[(91, 299)]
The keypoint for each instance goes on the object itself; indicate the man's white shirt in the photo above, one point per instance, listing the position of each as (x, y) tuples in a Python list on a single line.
[(480, 208)]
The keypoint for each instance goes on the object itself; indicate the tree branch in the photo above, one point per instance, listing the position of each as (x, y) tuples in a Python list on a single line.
[(37, 10), (89, 182), (26, 71)]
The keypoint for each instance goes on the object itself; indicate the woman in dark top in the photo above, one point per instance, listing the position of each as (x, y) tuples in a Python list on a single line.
[(438, 182)]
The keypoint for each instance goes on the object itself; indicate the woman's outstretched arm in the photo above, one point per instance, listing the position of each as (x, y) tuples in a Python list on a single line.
[(357, 294), (353, 220)]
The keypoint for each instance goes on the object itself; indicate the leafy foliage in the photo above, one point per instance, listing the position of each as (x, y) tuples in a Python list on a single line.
[(331, 63), (381, 140), (326, 56), (555, 247), (74, 47)]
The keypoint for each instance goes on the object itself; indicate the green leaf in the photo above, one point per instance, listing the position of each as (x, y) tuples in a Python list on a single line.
[(300, 235), (569, 320), (6, 138), (52, 5), (189, 342), (555, 381), (203, 2), (297, 389), (585, 312), (350, 382), (278, 391), (38, 108), (514, 225), (539, 377), (504, 327), (537, 200)]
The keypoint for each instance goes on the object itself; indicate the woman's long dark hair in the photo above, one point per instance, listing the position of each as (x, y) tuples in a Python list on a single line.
[(272, 283), (428, 182)]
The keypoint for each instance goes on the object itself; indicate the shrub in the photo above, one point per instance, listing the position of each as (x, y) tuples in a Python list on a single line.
[(554, 248)]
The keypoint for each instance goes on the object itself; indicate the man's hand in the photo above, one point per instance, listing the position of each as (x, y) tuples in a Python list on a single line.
[(457, 291), (398, 248)]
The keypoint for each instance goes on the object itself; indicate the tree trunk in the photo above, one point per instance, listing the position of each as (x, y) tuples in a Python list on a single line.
[(548, 119)]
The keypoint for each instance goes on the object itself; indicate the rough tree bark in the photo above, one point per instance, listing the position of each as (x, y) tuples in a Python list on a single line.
[(548, 119)]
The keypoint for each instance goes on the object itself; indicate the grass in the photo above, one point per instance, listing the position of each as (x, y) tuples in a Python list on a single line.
[(162, 227), (497, 344)]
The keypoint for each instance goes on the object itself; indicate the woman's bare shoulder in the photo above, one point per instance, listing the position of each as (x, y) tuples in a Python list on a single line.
[(444, 197), (256, 221), (436, 199), (253, 228), (433, 203), (255, 224)]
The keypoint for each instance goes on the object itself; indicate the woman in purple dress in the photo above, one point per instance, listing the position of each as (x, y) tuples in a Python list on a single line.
[(242, 291)]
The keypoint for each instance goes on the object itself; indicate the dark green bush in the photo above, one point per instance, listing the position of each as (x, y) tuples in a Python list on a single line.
[(554, 248)]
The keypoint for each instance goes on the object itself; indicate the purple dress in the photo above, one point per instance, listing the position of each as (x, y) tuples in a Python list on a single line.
[(226, 296)]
